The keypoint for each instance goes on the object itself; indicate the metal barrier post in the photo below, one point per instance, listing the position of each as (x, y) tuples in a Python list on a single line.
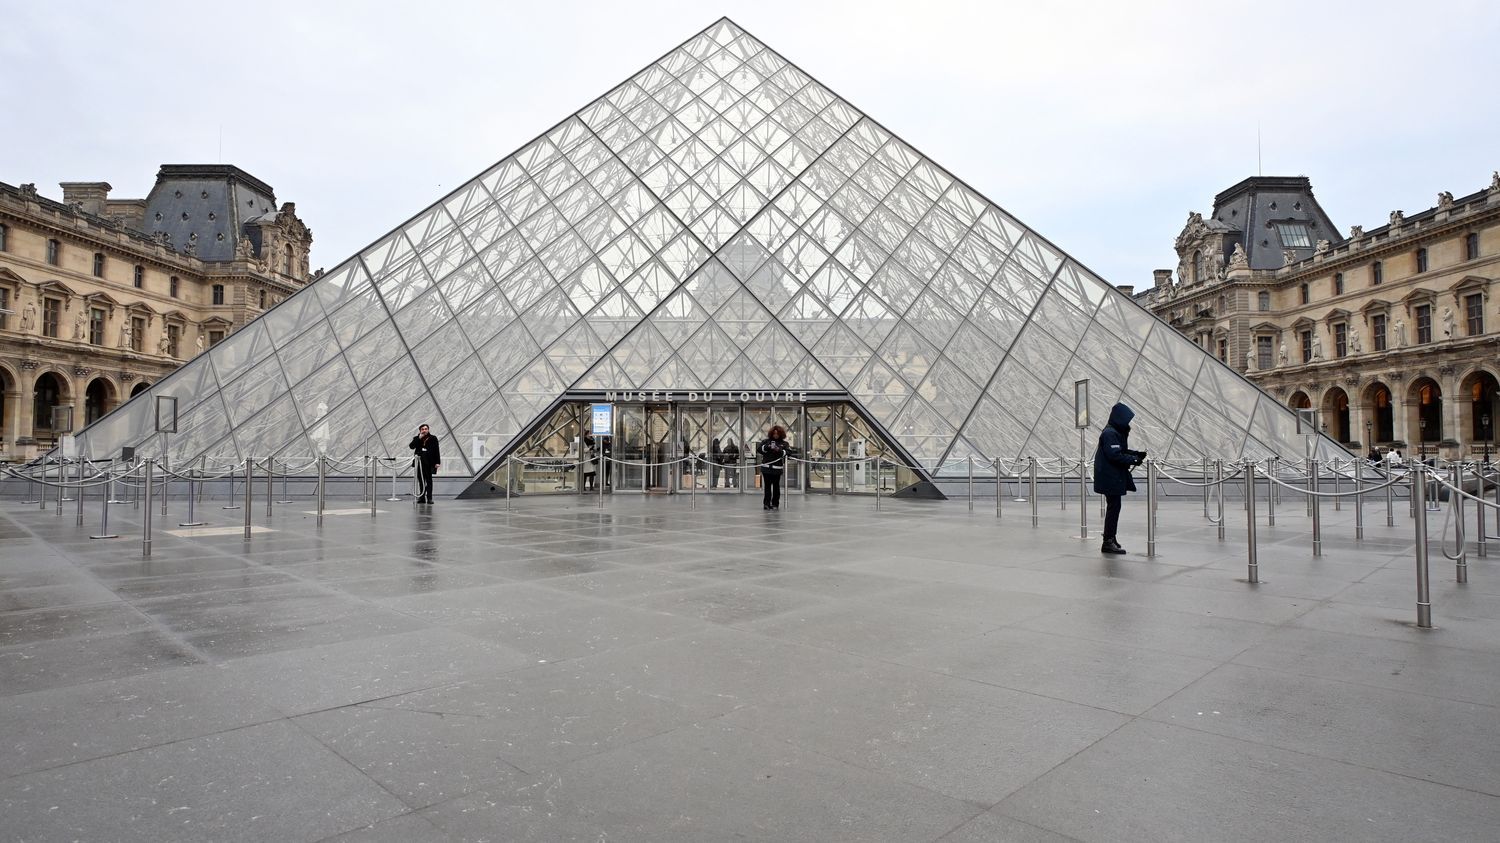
[(192, 517), (971, 483), (995, 464), (1359, 500), (232, 504), (135, 497), (1033, 492), (878, 461), (370, 465), (31, 497), (1204, 474), (1219, 484), (693, 479), (1338, 502), (364, 480), (270, 488), (286, 470), (146, 521), (1253, 573), (1150, 508), (1317, 510), (1479, 508), (1062, 484), (394, 497), (1424, 595), (1456, 500), (166, 481), (322, 486), (1083, 492), (104, 532), (249, 493), (510, 480), (62, 480), (600, 475), (82, 491), (112, 498)]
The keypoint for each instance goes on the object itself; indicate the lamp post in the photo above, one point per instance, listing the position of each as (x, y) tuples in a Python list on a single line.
[(1422, 444), (1370, 435)]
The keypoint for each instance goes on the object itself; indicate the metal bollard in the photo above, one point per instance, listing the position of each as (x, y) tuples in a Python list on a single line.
[(1033, 492), (394, 497), (322, 486), (995, 464), (286, 470), (249, 493), (510, 480), (1359, 500), (877, 483), (599, 477), (112, 498), (1204, 474), (1271, 473), (1253, 572), (1219, 484), (1062, 484), (371, 465), (166, 480), (1338, 502), (1083, 493), (1479, 508), (693, 479), (104, 532), (192, 515), (146, 520), (270, 479), (1317, 510), (1150, 508), (31, 496), (364, 480), (62, 485), (232, 504), (971, 483), (82, 491), (1424, 595), (1456, 500)]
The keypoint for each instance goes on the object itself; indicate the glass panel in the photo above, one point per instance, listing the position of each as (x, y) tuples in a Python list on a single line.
[(242, 350), (324, 388), (442, 351), (419, 319), (392, 389), (373, 353), (974, 353), (314, 347), (461, 392), (508, 352)]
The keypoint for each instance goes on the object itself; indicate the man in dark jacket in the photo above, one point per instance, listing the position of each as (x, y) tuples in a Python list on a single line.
[(425, 446), (772, 453), (1112, 463)]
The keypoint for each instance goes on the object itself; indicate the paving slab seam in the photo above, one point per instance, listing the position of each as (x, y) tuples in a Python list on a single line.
[(355, 767)]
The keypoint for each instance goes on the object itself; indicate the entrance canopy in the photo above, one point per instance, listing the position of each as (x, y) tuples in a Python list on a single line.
[(718, 222)]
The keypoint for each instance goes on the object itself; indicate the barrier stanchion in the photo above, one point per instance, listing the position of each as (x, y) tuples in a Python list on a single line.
[(31, 487), (1204, 474), (82, 492), (1033, 493), (600, 475), (1219, 486), (286, 470), (364, 480), (878, 468), (971, 483), (1253, 572), (995, 464), (1390, 499), (166, 480), (249, 493), (510, 480), (1338, 500), (232, 504), (322, 486), (1314, 504), (394, 498), (112, 498), (146, 521), (1482, 542), (1359, 500), (1424, 595), (1062, 485), (1083, 493), (373, 467), (62, 484), (104, 532), (692, 468), (192, 518), (1272, 473), (1150, 508), (1456, 502), (270, 488)]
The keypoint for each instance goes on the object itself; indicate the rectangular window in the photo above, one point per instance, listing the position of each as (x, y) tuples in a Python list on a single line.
[(1474, 310), (1424, 323), (96, 325), (1263, 300), (1377, 273), (174, 333), (140, 278), (51, 316), (215, 337), (218, 294), (1307, 346), (262, 299), (4, 306), (172, 286), (98, 264), (1377, 331), (1338, 283), (1471, 246), (1304, 293), (1294, 235), (1223, 351), (54, 252), (137, 333), (3, 232), (1341, 340), (1421, 260), (1263, 353)]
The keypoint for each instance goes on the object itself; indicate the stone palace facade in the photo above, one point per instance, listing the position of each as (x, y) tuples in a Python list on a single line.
[(1392, 334), (101, 297)]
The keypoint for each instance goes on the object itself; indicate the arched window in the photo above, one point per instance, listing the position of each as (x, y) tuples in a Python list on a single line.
[(287, 267)]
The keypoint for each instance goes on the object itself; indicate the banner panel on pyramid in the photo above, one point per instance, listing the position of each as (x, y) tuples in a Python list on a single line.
[(720, 220)]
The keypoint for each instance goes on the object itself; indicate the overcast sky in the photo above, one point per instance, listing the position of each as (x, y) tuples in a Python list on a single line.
[(1100, 125)]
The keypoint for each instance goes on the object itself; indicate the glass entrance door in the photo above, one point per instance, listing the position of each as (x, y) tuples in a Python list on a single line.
[(727, 435), (758, 421)]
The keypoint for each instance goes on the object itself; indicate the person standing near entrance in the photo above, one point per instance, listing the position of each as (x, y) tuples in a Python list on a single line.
[(731, 465), (1113, 460), (772, 453), (590, 457), (424, 447), (715, 462)]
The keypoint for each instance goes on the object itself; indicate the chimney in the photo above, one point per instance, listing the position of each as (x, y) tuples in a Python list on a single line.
[(90, 194), (1162, 277), (1127, 289)]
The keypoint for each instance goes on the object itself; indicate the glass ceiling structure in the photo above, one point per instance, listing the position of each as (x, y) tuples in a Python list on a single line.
[(718, 221)]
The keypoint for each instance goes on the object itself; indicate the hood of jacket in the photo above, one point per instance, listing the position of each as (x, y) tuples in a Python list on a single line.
[(1120, 417)]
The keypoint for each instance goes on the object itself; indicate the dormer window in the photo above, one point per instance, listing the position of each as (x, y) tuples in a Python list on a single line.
[(1294, 235)]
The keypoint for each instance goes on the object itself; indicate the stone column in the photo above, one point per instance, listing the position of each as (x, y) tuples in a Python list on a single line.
[(12, 413), (25, 444), (1452, 409)]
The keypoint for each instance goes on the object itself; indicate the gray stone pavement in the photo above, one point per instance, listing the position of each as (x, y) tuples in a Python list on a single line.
[(675, 669)]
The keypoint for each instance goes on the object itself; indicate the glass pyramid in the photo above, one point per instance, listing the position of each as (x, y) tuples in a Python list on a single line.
[(720, 220)]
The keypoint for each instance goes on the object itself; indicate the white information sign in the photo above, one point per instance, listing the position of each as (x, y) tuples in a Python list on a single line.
[(604, 420)]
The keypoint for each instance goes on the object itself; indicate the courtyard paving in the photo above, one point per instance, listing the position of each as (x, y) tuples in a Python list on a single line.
[(675, 669)]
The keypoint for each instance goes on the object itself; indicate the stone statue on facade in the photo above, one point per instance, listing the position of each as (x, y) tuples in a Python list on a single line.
[(80, 325), (28, 318), (1400, 333), (200, 341), (1281, 356), (1397, 218), (1288, 256), (1317, 347), (1356, 232), (1323, 247), (127, 335), (1495, 182), (1238, 259), (1249, 361), (164, 345), (1445, 199), (1450, 325), (1354, 344)]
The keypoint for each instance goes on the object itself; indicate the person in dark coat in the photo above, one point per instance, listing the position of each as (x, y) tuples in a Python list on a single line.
[(731, 466), (1112, 463), (772, 453), (715, 463), (424, 447)]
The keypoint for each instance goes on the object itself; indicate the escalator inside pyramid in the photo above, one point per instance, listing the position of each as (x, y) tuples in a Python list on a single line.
[(717, 244)]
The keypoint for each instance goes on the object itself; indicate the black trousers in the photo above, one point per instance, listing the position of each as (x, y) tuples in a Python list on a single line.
[(770, 480), (424, 480), (1111, 514)]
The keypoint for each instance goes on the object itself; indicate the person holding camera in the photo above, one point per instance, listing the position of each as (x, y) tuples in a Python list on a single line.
[(425, 448), (1113, 460), (772, 452)]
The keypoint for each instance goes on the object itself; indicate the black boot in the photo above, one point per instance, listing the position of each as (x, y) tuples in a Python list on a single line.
[(1111, 546)]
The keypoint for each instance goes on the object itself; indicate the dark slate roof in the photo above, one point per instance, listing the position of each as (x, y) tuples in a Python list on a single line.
[(212, 201), (1252, 208)]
